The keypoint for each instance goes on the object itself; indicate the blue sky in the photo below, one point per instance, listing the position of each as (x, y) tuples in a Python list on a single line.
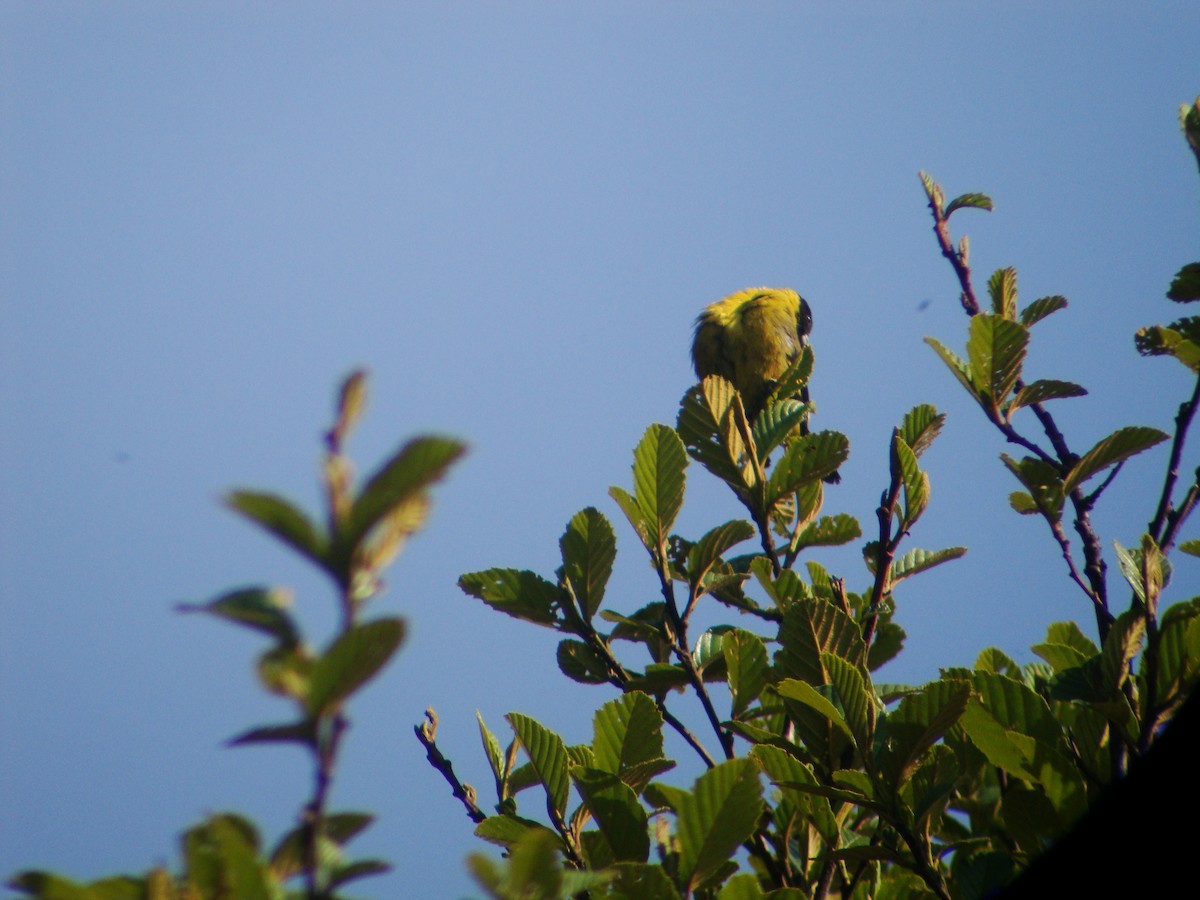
[(511, 214)]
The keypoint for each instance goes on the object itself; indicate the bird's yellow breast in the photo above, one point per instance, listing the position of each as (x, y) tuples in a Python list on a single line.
[(750, 338)]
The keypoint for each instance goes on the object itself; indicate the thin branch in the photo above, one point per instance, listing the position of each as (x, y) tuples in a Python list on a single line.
[(941, 227), (314, 812), (1183, 422), (427, 734)]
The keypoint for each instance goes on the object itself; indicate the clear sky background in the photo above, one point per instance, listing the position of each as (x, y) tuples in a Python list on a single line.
[(511, 214)]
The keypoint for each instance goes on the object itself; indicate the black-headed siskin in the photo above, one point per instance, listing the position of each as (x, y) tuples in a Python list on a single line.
[(750, 338)]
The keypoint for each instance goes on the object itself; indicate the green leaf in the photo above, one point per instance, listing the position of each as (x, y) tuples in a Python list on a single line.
[(1185, 287), (638, 881), (919, 722), (548, 754), (916, 482), (293, 733), (1046, 491), (969, 201), (917, 560), (957, 366), (287, 522), (829, 531), (1002, 288), (996, 350), (1117, 447), (659, 461), (921, 425), (710, 423), (1180, 340), (713, 820), (353, 660), (807, 459), (1040, 308), (1123, 643), (707, 551), (627, 736), (932, 190), (495, 756), (352, 399), (263, 609), (413, 468), (507, 830), (221, 857), (803, 692), (1042, 390), (811, 627), (520, 593), (854, 690), (287, 859), (362, 868), (1192, 548), (748, 667), (786, 771), (580, 662), (589, 548), (776, 422), (618, 814)]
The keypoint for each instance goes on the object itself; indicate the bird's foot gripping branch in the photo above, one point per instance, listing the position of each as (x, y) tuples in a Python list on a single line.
[(947, 789)]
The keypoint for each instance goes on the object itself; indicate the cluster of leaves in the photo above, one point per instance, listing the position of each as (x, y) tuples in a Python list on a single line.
[(876, 790), (365, 529)]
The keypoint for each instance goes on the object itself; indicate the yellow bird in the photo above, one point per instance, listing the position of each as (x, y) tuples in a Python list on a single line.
[(749, 339)]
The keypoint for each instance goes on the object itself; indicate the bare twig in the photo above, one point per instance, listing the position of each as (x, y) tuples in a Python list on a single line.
[(427, 734)]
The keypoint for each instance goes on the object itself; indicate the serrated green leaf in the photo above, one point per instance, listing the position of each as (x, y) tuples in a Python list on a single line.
[(708, 424), (1185, 287), (854, 690), (969, 201), (1042, 390), (803, 692), (957, 366), (495, 755), (811, 627), (413, 468), (920, 721), (548, 755), (1117, 447), (1123, 643), (713, 820), (263, 609), (996, 352), (1040, 308), (506, 830), (917, 560), (659, 461), (707, 551), (1045, 486), (353, 659), (991, 659), (1002, 288), (627, 734), (580, 662), (618, 814), (916, 482), (808, 458), (775, 423), (785, 770), (519, 593), (1180, 340), (281, 518), (829, 531), (588, 548), (747, 665), (921, 425), (932, 191)]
